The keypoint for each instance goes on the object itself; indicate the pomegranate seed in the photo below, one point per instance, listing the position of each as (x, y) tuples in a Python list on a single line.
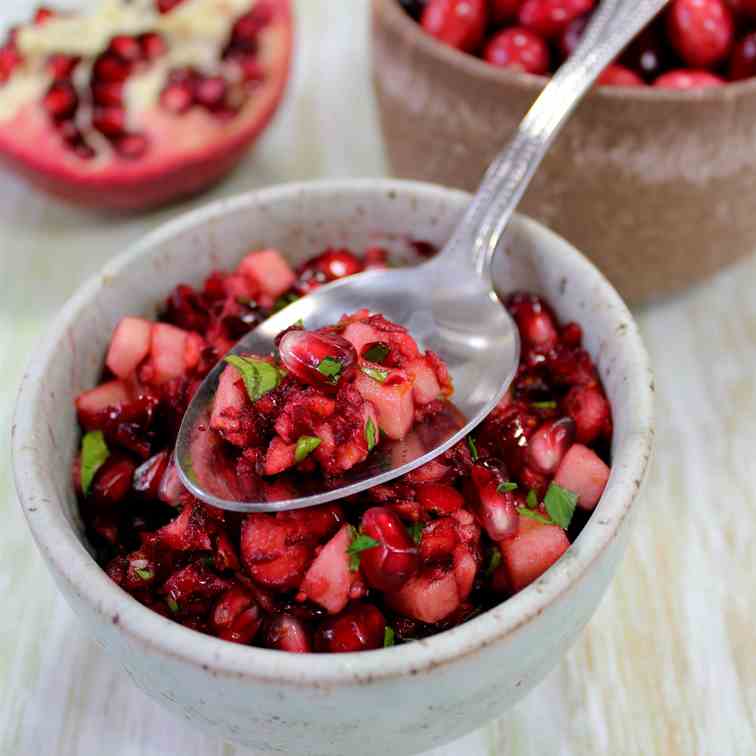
[(572, 34), (743, 58), (458, 23), (113, 481), (550, 18), (701, 31), (251, 70), (248, 26), (518, 48), (109, 67), (126, 48), (572, 335), (504, 11), (303, 351), (360, 627), (236, 617), (211, 92), (439, 499), (42, 15), (132, 146), (439, 540), (388, 566), (590, 410), (9, 59), (153, 46), (287, 633), (535, 321), (61, 100), (550, 443), (62, 66), (686, 78), (108, 94), (110, 121), (149, 475), (165, 6), (495, 509), (177, 97)]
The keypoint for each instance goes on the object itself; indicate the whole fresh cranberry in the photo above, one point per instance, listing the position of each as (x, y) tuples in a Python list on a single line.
[(743, 58), (616, 75), (388, 566), (360, 627), (518, 48), (458, 23), (549, 18), (701, 31), (685, 78)]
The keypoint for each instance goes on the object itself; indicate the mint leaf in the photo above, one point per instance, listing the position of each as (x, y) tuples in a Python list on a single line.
[(376, 374), (172, 604), (371, 434), (389, 637), (144, 573), (507, 486), (560, 504), (532, 499), (330, 367), (259, 376), (531, 514), (360, 542), (494, 562), (305, 446), (416, 531), (544, 405), (284, 301), (377, 352), (473, 448), (94, 452)]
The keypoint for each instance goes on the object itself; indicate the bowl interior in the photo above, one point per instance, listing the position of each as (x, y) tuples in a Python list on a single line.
[(301, 220)]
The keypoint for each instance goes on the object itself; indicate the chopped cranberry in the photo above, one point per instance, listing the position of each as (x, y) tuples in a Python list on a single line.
[(518, 48), (360, 627), (458, 23)]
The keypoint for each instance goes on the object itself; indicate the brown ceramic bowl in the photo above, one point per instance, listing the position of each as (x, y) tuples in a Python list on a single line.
[(656, 186)]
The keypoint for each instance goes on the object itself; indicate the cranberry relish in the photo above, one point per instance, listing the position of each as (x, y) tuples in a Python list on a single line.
[(694, 43), (398, 562)]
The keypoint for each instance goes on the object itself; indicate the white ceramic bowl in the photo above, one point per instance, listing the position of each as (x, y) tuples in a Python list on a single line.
[(400, 700)]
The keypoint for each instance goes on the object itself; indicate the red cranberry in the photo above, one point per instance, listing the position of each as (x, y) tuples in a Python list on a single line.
[(236, 617), (388, 566), (743, 58), (316, 358), (287, 633), (616, 75), (504, 11), (518, 48), (113, 481), (438, 498), (590, 410), (360, 627), (458, 23), (549, 18), (701, 31), (685, 78)]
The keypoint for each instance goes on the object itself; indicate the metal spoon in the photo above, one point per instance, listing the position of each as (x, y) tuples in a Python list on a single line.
[(448, 304)]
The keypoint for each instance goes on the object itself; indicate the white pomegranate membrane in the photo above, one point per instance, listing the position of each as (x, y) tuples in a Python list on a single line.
[(398, 562)]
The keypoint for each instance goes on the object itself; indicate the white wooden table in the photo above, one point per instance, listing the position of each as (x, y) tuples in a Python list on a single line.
[(666, 667)]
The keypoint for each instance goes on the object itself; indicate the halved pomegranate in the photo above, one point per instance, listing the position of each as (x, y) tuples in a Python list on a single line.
[(141, 102)]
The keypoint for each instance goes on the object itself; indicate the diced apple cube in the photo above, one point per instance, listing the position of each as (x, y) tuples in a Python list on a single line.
[(392, 402), (129, 345), (91, 403), (279, 457), (359, 335), (269, 270), (167, 353), (426, 387), (583, 472), (329, 579)]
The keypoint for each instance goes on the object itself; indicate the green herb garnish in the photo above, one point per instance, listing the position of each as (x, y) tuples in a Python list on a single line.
[(172, 604), (473, 448), (259, 376), (416, 531), (371, 434), (531, 514), (94, 452), (377, 353), (284, 301), (360, 542), (389, 637), (544, 405), (532, 499), (560, 504), (493, 563), (376, 374), (507, 486), (144, 573), (305, 446), (330, 367)]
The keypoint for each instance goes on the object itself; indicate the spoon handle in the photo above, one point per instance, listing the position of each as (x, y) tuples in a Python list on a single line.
[(612, 27)]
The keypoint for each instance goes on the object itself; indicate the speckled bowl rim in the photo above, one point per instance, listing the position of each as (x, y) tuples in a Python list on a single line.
[(71, 562), (478, 69)]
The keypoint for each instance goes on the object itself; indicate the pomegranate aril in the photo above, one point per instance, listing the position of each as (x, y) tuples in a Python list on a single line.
[(307, 353), (110, 67), (125, 47), (360, 627), (61, 100), (62, 66), (248, 26), (132, 146), (388, 566), (177, 97), (251, 70), (518, 48), (438, 498), (549, 444), (701, 31), (110, 121), (113, 481), (286, 633), (165, 6), (590, 410), (210, 92), (149, 475), (495, 509), (9, 59), (42, 15), (458, 23), (153, 45)]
